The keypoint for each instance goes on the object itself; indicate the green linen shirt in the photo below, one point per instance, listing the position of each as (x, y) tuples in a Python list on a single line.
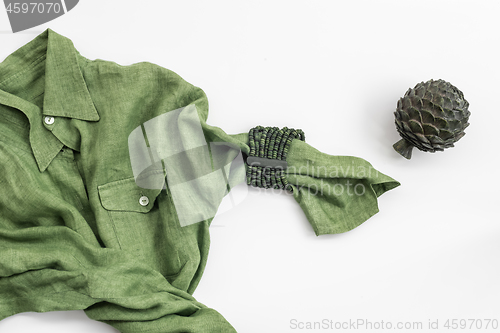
[(76, 229)]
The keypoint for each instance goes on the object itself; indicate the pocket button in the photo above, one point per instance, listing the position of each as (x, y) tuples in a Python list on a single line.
[(144, 200)]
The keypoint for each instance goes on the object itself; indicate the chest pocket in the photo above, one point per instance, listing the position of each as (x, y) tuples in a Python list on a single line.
[(145, 223), (124, 195)]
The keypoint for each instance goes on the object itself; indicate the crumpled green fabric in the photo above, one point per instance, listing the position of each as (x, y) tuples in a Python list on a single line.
[(75, 232), (337, 193)]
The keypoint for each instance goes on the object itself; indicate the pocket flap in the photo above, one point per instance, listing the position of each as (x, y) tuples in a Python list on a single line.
[(126, 195)]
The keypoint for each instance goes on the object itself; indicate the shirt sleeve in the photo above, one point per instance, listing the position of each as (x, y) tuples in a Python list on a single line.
[(336, 193)]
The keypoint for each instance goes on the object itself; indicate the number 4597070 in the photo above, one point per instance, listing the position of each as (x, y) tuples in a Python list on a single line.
[(33, 7), (471, 324)]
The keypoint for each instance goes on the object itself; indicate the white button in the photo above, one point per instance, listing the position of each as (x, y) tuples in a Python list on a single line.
[(49, 120), (144, 200)]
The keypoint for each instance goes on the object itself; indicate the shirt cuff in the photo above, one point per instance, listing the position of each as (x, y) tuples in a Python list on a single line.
[(336, 193)]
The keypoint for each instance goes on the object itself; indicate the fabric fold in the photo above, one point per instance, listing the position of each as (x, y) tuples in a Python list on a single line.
[(336, 193), (65, 272)]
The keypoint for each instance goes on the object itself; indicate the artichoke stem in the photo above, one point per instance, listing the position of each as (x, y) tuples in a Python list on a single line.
[(404, 148)]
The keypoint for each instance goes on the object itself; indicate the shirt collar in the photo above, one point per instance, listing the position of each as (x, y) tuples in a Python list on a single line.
[(65, 93)]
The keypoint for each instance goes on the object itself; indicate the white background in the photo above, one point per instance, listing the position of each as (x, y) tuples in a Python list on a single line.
[(336, 70)]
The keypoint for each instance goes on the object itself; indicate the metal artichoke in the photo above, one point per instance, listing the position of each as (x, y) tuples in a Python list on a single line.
[(432, 116)]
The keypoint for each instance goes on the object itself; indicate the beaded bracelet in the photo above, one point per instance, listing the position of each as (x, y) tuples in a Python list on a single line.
[(267, 158)]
